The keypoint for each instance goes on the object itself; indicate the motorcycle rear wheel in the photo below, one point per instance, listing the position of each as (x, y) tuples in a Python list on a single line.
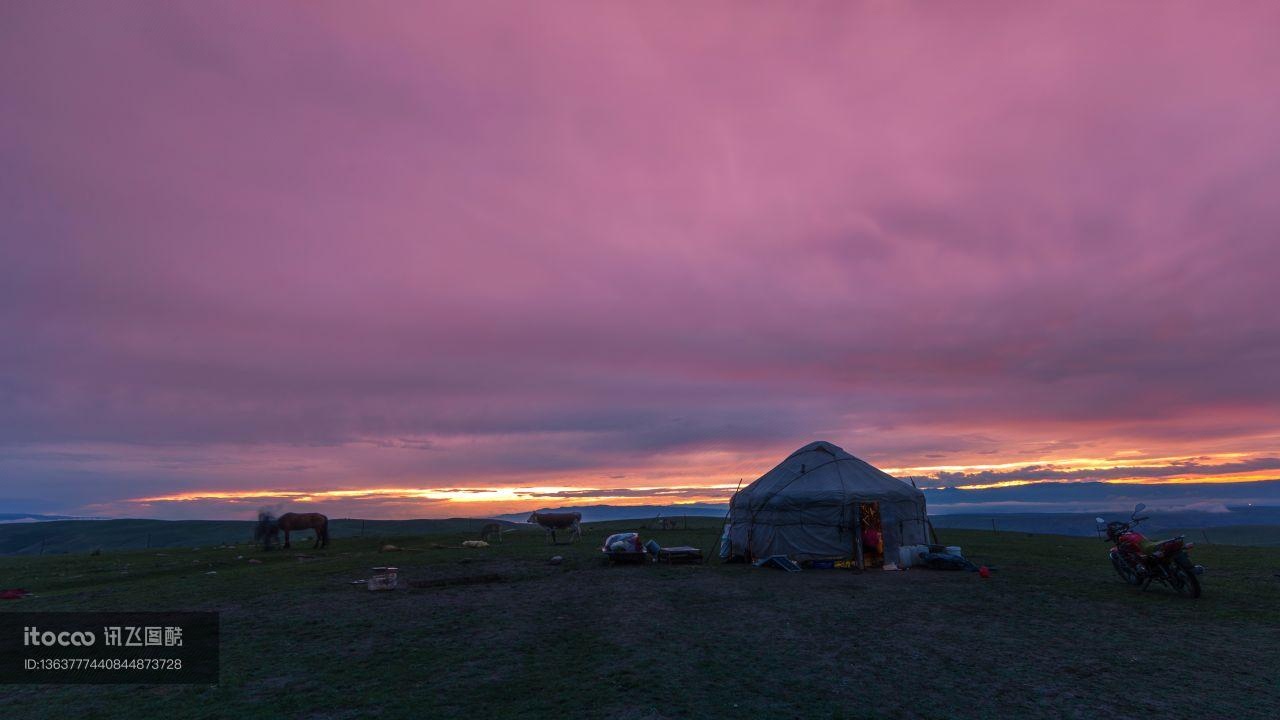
[(1184, 578)]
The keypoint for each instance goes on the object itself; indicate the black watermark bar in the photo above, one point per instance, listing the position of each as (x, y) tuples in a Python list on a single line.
[(91, 647)]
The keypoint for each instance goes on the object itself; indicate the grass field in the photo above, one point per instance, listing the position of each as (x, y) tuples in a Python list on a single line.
[(1259, 535), (1053, 634)]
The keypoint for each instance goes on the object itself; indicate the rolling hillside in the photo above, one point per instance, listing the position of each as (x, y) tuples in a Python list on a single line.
[(1242, 526), (82, 536)]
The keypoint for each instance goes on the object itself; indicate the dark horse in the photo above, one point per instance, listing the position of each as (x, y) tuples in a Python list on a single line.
[(269, 528)]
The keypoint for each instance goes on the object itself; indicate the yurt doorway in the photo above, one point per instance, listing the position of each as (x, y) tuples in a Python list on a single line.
[(870, 538)]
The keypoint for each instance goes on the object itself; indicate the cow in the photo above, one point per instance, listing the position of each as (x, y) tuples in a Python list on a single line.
[(551, 522)]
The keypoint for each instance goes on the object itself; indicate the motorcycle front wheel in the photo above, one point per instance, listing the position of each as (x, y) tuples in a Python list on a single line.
[(1125, 570), (1183, 577)]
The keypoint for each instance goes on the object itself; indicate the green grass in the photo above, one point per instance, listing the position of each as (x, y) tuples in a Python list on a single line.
[(1053, 634)]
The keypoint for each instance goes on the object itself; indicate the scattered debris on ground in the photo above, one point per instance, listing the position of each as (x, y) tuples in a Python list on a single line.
[(384, 578), (782, 562), (680, 554)]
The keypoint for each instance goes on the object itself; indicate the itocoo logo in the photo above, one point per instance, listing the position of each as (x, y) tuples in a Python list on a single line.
[(33, 636)]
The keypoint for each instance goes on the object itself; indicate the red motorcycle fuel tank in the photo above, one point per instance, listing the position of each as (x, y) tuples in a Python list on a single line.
[(1132, 540)]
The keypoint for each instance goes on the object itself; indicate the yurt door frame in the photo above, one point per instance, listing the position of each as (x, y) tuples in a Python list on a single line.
[(860, 552), (857, 534)]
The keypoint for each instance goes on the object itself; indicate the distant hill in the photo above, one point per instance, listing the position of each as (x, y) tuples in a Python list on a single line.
[(1240, 525), (1083, 524), (598, 513), (1064, 496), (76, 536), (35, 517)]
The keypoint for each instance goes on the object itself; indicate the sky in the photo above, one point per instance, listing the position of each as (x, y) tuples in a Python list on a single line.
[(460, 258)]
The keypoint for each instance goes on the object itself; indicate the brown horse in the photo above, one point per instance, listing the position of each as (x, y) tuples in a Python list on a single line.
[(551, 522), (269, 527), (293, 522)]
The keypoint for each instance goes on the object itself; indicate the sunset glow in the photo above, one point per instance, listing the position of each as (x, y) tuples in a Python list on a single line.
[(492, 499)]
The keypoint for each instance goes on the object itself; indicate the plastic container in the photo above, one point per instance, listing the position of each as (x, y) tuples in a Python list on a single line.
[(906, 556), (623, 542), (954, 550), (909, 555)]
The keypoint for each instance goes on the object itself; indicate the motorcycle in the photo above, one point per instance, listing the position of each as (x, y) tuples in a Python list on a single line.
[(1140, 562)]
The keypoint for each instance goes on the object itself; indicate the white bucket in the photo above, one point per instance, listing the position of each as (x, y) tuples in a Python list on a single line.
[(954, 550)]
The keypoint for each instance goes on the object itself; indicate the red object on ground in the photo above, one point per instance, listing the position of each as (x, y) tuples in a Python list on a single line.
[(984, 572), (13, 594)]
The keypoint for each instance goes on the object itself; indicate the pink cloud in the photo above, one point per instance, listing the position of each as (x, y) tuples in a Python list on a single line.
[(585, 239)]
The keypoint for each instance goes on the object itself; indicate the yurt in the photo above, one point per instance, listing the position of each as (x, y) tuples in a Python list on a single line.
[(821, 503)]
